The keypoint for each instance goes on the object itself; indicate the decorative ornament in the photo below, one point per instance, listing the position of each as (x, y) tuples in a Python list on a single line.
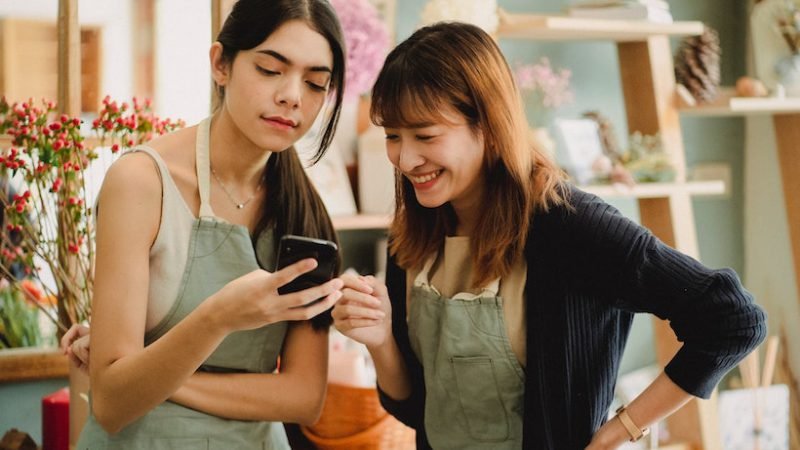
[(697, 65)]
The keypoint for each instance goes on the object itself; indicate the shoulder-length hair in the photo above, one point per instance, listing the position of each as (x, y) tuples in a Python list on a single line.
[(459, 66), (292, 204)]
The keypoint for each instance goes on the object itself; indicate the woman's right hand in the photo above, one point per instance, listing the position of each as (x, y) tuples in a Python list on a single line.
[(364, 313), (75, 344), (252, 300)]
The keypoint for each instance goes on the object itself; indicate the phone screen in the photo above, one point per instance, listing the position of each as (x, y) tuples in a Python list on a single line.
[(295, 248)]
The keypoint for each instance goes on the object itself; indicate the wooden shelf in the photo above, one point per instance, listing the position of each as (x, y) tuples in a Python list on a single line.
[(547, 27), (727, 104), (5, 141), (641, 190), (361, 222), (23, 364), (656, 190)]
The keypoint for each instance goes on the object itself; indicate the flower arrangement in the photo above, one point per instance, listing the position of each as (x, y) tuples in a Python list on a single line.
[(47, 237), (481, 13), (545, 89), (788, 23), (19, 314), (367, 41), (646, 159)]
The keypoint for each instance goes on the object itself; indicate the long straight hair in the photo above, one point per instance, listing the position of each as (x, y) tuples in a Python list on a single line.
[(291, 205), (460, 66)]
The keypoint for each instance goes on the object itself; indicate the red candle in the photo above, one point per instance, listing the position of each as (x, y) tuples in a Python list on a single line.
[(55, 420)]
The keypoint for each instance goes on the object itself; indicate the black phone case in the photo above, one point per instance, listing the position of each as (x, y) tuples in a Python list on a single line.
[(292, 249)]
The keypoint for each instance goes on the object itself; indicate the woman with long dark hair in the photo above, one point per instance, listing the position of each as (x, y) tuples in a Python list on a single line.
[(187, 325)]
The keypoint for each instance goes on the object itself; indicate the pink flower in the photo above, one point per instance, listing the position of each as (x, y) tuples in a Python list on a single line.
[(367, 42), (547, 89)]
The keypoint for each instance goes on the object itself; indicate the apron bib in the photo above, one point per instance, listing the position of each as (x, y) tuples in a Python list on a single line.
[(218, 253), (474, 384)]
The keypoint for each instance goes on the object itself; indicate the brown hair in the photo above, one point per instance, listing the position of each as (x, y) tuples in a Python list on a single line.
[(292, 204), (459, 65)]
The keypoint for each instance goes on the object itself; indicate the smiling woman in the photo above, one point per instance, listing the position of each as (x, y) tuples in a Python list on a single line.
[(509, 293)]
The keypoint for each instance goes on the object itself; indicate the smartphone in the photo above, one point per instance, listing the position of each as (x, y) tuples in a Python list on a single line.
[(292, 249)]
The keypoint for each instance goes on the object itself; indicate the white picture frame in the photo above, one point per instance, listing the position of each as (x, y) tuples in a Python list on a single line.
[(737, 418), (578, 147), (328, 175)]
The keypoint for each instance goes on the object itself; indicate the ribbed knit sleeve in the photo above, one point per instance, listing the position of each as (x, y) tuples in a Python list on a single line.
[(714, 317)]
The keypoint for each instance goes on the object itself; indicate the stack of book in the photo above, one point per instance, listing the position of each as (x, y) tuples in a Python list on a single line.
[(656, 11)]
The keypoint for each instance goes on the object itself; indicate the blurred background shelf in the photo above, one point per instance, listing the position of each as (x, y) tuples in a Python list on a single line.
[(21, 364), (656, 190), (548, 27), (727, 104)]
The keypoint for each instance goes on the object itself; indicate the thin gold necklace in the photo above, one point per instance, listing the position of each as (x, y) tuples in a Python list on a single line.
[(238, 204)]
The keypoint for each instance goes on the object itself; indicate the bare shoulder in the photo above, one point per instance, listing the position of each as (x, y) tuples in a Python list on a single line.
[(176, 148), (130, 198)]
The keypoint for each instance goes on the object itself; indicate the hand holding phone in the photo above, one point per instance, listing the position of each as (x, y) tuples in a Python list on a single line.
[(292, 249)]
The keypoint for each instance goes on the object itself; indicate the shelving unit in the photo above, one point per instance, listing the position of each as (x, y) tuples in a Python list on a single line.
[(648, 82), (565, 28)]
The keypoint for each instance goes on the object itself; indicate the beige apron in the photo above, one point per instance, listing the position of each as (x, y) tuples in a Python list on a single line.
[(474, 384), (218, 253)]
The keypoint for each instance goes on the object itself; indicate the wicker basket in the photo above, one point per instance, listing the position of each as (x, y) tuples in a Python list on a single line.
[(353, 419)]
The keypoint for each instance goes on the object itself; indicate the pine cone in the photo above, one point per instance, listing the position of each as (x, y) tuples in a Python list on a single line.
[(697, 65)]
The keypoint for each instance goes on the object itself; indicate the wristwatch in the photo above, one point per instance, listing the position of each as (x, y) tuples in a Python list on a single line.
[(634, 431)]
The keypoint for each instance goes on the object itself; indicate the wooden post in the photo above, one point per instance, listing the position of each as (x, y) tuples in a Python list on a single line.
[(649, 87), (219, 11), (69, 58), (787, 134), (144, 48)]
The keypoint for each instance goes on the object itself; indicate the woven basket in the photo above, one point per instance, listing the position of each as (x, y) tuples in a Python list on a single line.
[(353, 419)]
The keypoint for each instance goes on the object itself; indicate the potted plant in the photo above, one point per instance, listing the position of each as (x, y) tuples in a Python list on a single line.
[(47, 236), (48, 216), (544, 90)]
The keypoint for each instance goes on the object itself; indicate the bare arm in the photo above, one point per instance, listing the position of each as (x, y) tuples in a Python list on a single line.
[(128, 379), (659, 400), (296, 394)]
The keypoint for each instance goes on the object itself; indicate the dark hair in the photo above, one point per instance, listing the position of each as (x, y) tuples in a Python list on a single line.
[(460, 66), (292, 204)]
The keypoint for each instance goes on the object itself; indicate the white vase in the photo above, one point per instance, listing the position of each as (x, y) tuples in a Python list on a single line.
[(788, 70)]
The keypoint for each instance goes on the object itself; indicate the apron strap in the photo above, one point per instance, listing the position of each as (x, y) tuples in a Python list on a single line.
[(492, 289), (202, 164)]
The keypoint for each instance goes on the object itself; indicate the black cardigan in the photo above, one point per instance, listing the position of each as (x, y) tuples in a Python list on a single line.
[(589, 270)]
